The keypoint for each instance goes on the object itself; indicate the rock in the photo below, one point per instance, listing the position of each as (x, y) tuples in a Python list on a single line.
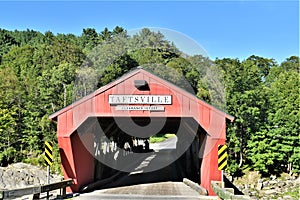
[(273, 177), (246, 192), (20, 175), (259, 186), (273, 188), (21, 184), (270, 192), (266, 183), (290, 183), (277, 188), (274, 182), (267, 188), (281, 184)]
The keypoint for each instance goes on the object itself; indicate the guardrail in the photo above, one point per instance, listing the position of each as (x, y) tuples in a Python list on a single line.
[(226, 193), (36, 190)]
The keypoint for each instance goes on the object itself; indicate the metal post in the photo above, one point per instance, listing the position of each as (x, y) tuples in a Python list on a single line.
[(48, 179)]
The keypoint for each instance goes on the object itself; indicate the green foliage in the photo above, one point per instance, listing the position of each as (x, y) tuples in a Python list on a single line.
[(295, 159), (148, 55), (36, 158), (36, 75), (9, 155), (37, 78), (264, 152), (160, 137), (264, 98), (263, 64), (89, 38), (284, 115), (6, 42), (245, 99), (117, 69)]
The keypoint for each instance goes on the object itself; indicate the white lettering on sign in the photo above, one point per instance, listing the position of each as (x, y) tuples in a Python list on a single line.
[(140, 99), (142, 108)]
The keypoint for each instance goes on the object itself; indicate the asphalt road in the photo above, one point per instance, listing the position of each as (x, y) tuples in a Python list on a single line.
[(164, 183)]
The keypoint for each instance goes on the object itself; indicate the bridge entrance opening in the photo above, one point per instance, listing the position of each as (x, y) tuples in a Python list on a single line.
[(124, 155)]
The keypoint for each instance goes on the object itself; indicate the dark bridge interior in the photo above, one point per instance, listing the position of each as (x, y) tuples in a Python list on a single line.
[(123, 155)]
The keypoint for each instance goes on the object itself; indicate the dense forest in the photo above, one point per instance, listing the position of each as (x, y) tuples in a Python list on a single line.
[(39, 71)]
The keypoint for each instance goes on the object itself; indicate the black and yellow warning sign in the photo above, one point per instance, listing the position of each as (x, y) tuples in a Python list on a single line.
[(48, 153), (222, 157)]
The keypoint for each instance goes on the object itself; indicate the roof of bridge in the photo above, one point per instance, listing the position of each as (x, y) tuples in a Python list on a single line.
[(132, 74)]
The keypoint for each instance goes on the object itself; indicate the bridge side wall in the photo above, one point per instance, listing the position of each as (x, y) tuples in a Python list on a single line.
[(77, 161), (216, 135), (209, 166)]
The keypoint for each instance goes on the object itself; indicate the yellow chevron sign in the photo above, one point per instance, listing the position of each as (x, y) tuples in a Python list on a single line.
[(222, 157), (48, 153)]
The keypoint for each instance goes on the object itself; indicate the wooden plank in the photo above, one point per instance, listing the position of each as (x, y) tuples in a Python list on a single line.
[(54, 186)]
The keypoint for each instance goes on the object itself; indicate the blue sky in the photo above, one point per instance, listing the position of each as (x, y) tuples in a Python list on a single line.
[(234, 29)]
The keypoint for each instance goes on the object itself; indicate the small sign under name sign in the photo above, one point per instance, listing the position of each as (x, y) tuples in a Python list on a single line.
[(142, 108)]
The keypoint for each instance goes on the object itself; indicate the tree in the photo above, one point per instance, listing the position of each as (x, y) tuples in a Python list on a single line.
[(284, 113), (9, 133), (89, 38), (264, 65), (117, 69), (147, 39), (6, 42), (275, 148), (119, 30), (106, 34), (45, 75), (245, 98), (28, 37), (291, 64)]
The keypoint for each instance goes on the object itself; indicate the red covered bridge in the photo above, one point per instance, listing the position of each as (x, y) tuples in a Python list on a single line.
[(131, 109)]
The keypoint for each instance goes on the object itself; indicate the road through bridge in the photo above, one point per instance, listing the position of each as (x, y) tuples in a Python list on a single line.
[(104, 137), (150, 191)]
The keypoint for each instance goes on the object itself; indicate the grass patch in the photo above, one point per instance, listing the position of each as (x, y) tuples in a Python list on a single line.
[(161, 137), (294, 192)]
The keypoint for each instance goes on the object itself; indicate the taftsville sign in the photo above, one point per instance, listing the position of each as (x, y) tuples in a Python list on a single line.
[(140, 99)]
